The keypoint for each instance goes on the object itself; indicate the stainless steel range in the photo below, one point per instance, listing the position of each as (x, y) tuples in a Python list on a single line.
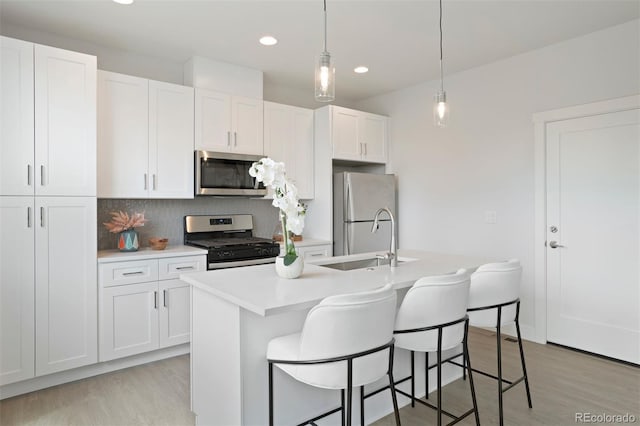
[(230, 240)]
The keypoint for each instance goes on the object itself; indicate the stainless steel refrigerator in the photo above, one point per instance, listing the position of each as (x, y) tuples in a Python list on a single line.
[(356, 198)]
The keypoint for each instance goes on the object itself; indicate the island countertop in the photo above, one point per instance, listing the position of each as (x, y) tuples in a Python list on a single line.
[(259, 290)]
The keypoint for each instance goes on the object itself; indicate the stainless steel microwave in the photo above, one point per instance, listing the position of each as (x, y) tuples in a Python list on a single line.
[(223, 173)]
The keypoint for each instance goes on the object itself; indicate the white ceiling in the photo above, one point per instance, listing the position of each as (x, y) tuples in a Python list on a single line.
[(396, 39)]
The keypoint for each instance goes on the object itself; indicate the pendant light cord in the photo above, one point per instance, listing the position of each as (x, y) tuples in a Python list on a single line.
[(441, 78), (325, 25)]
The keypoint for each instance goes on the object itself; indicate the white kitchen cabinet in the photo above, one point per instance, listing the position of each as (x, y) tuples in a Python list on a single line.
[(49, 122), (288, 137), (226, 123), (48, 285), (145, 138), (358, 136), (65, 275), (143, 304), (17, 289)]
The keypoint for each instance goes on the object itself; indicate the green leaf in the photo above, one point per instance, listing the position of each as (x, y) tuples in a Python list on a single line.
[(289, 258)]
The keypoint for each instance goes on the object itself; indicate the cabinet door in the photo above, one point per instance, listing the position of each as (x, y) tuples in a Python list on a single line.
[(65, 122), (175, 312), (16, 127), (128, 320), (212, 121), (66, 286), (17, 284), (344, 134), (247, 125), (288, 137), (314, 252), (170, 140), (123, 136), (302, 143), (373, 136)]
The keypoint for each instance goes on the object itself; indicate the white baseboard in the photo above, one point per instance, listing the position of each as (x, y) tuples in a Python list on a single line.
[(37, 383), (528, 332)]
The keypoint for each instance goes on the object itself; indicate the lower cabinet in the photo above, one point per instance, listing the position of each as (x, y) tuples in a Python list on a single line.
[(143, 305)]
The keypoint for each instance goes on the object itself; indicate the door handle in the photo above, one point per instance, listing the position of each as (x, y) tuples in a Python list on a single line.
[(145, 182), (228, 138), (42, 175), (164, 298), (28, 174), (554, 244), (235, 138), (28, 217), (155, 300)]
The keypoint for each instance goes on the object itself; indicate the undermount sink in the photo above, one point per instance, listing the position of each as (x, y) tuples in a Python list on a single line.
[(361, 263)]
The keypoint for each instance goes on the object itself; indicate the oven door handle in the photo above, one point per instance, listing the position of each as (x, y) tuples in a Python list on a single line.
[(220, 265)]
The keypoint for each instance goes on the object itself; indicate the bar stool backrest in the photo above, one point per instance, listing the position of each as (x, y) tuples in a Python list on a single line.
[(343, 325), (493, 284), (433, 301)]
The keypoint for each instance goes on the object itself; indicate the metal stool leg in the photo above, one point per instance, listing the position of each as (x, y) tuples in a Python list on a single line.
[(426, 375), (413, 380), (524, 368), (465, 348), (439, 368), (342, 410), (349, 389), (392, 387), (499, 356), (270, 394), (362, 406)]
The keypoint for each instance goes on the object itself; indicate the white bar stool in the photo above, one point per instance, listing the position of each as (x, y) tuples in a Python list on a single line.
[(346, 341), (433, 318), (494, 302)]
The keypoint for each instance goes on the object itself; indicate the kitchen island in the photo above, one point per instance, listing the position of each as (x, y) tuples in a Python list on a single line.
[(235, 312)]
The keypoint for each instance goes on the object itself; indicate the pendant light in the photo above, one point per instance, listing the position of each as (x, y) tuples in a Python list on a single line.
[(325, 70), (441, 108)]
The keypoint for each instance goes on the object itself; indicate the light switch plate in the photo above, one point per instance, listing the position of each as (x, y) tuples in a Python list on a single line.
[(490, 217)]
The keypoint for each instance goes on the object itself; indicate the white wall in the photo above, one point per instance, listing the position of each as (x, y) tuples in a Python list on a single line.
[(448, 178)]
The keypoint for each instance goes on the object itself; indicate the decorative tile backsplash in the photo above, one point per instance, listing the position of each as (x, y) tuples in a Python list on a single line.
[(165, 217)]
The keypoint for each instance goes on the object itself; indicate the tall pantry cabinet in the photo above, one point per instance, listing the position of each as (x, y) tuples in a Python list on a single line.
[(48, 289)]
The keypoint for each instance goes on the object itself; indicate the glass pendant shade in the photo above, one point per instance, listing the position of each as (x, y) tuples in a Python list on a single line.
[(441, 109), (325, 78)]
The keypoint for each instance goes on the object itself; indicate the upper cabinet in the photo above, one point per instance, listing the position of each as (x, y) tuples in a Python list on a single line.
[(48, 132), (145, 138), (288, 137), (358, 136), (226, 123)]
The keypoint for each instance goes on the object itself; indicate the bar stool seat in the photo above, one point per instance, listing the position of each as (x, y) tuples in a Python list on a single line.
[(494, 302), (346, 341), (432, 318)]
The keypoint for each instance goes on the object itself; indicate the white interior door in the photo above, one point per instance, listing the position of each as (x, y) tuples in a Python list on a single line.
[(593, 215)]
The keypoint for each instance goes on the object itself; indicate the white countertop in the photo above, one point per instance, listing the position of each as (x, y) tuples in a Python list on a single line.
[(107, 256), (258, 289)]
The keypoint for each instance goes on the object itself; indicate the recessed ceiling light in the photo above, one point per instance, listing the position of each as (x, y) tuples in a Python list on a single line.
[(268, 40), (360, 69), (123, 1)]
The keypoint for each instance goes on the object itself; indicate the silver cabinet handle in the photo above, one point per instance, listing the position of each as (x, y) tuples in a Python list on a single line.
[(28, 217), (155, 300), (235, 138), (155, 184), (42, 217), (145, 182), (28, 174), (184, 268), (127, 274), (42, 175), (554, 244), (164, 298), (365, 148), (228, 138)]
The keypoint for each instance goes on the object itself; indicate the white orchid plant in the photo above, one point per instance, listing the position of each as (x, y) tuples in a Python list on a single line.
[(285, 197)]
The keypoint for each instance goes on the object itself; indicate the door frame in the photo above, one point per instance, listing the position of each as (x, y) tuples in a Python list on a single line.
[(540, 121)]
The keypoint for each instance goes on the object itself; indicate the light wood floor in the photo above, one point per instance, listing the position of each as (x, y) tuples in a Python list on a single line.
[(563, 383)]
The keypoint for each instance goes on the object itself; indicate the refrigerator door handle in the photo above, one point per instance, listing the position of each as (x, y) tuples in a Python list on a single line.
[(347, 240)]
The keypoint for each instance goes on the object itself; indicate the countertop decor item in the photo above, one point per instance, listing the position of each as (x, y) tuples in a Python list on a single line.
[(292, 211), (123, 224), (158, 243)]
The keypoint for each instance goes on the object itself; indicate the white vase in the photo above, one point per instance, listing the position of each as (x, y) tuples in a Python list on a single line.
[(291, 271)]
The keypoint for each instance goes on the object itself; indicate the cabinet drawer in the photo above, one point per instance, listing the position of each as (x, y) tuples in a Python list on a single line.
[(120, 273), (315, 252), (172, 267)]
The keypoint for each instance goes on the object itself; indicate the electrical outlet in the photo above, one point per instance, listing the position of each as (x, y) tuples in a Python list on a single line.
[(490, 217)]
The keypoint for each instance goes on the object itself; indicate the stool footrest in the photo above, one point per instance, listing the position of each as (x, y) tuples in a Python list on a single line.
[(321, 416)]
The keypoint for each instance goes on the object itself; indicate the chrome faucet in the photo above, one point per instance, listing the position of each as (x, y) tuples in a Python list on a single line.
[(393, 251)]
